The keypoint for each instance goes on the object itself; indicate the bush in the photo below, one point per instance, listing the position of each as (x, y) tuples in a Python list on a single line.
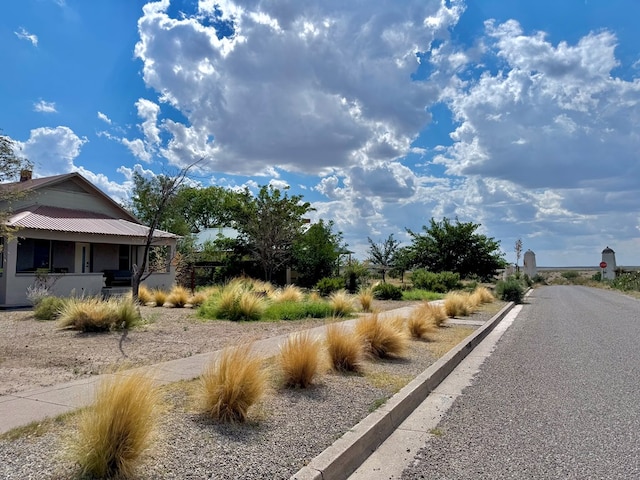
[(570, 274), (300, 359), (159, 296), (234, 303), (296, 311), (117, 428), (415, 294), (345, 349), (231, 384), (326, 286), (626, 282), (510, 290), (48, 308), (386, 291), (382, 338), (436, 282)]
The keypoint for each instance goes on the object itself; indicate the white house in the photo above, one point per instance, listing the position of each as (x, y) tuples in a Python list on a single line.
[(76, 238)]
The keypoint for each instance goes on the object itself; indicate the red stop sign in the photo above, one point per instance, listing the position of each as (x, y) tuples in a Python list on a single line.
[(603, 264)]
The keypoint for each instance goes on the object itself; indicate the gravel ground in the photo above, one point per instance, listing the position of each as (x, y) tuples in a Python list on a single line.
[(286, 430), (558, 397)]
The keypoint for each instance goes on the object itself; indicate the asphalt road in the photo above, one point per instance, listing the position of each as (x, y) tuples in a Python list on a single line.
[(559, 398)]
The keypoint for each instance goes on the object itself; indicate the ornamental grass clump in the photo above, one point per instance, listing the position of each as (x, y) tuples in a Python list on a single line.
[(484, 295), (300, 359), (234, 303), (421, 321), (93, 314), (232, 383), (455, 305), (345, 349), (48, 308), (159, 296), (382, 338), (290, 293), (178, 297), (118, 428), (145, 295), (341, 303), (365, 297)]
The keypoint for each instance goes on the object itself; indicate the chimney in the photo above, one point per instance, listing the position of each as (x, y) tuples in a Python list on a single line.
[(25, 175)]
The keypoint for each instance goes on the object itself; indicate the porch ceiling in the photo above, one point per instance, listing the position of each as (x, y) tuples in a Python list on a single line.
[(40, 217)]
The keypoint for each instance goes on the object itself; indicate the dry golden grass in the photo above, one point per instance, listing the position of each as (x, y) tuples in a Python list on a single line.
[(178, 296), (315, 297), (92, 314), (117, 429), (159, 296), (250, 305), (447, 338), (344, 348), (420, 323), (233, 383), (382, 338), (455, 305), (197, 299), (290, 293), (483, 295), (365, 297), (144, 295), (341, 303), (300, 359)]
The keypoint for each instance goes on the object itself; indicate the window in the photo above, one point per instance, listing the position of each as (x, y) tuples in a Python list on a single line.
[(33, 255)]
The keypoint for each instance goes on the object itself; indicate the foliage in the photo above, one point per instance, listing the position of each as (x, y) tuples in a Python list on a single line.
[(440, 282), (418, 294), (290, 293), (159, 296), (387, 291), (456, 247), (326, 286), (381, 255), (345, 350), (297, 310), (48, 308), (315, 253), (382, 338), (10, 166), (402, 261), (628, 281), (178, 296), (300, 359), (355, 274), (421, 321), (455, 305), (570, 274), (144, 295), (93, 314), (116, 430), (200, 208), (365, 297), (269, 224), (341, 303), (232, 383), (510, 290), (518, 249), (235, 302)]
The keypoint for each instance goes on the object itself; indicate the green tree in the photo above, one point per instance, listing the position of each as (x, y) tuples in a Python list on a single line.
[(10, 167), (381, 254), (269, 224), (456, 247), (402, 261), (208, 207), (315, 254)]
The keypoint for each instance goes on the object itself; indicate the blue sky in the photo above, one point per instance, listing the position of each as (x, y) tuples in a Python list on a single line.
[(521, 116)]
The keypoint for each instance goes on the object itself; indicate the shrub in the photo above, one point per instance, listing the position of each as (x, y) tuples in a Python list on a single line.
[(629, 281), (115, 431), (296, 311), (537, 278), (48, 308), (435, 282), (234, 303), (341, 303), (326, 286), (415, 294), (95, 315), (365, 297), (178, 296), (299, 359), (455, 305), (36, 293), (144, 295), (381, 338), (345, 349), (510, 290), (387, 291), (570, 274), (232, 383)]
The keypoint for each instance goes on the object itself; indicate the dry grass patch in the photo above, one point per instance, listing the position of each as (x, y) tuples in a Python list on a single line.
[(93, 314), (345, 349), (159, 296), (231, 384), (382, 338), (117, 429), (197, 299), (144, 295), (300, 359), (386, 381), (421, 322), (483, 295), (178, 297), (455, 305), (447, 338)]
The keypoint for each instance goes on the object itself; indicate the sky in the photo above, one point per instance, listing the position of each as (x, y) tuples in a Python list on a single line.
[(522, 117)]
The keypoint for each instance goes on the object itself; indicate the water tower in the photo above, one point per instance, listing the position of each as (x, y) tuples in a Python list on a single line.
[(609, 257), (530, 268)]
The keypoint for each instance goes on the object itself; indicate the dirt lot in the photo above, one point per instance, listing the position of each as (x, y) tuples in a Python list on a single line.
[(37, 353)]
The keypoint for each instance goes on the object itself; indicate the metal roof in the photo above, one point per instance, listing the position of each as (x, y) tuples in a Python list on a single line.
[(40, 217)]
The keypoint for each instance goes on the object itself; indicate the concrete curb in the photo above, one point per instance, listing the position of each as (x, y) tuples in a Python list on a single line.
[(347, 453)]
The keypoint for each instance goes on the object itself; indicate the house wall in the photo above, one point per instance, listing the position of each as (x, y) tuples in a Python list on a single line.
[(105, 256)]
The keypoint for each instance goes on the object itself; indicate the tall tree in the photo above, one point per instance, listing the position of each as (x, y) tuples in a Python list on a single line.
[(316, 252), (153, 198), (518, 249), (269, 224), (10, 167), (381, 254), (207, 207), (456, 247)]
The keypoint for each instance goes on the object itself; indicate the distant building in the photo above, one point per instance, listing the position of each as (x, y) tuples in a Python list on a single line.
[(530, 268), (609, 257)]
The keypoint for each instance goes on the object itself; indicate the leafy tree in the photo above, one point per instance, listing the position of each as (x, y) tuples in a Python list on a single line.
[(10, 166), (315, 254), (152, 200), (402, 261), (381, 254), (270, 224), (456, 247), (518, 249), (202, 208)]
